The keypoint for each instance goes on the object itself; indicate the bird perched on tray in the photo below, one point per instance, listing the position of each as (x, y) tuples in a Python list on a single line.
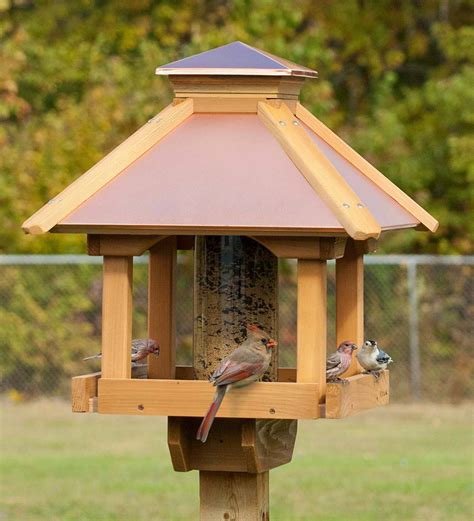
[(244, 365), (373, 359), (141, 348), (339, 361)]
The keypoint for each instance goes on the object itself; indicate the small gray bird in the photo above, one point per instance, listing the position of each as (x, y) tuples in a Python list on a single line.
[(141, 348), (372, 358), (339, 361)]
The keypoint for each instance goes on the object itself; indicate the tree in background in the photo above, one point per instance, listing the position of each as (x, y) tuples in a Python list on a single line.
[(396, 80)]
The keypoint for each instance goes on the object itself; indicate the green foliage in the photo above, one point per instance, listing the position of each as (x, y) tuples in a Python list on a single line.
[(396, 82), (47, 325), (50, 318)]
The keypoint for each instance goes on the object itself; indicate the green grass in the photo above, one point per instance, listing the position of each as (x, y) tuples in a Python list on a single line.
[(401, 462)]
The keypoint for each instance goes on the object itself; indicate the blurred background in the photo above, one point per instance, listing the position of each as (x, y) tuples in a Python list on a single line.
[(395, 81)]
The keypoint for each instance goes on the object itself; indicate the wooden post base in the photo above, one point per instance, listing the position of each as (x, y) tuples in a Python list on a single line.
[(234, 445), (234, 496)]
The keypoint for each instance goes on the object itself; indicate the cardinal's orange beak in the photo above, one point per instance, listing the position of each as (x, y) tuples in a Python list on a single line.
[(272, 343)]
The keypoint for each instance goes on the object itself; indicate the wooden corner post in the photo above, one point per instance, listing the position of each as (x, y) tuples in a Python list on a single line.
[(312, 323), (161, 307), (350, 299), (117, 317)]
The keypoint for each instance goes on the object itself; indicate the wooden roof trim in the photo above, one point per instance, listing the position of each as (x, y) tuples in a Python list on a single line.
[(326, 181), (108, 168), (427, 221)]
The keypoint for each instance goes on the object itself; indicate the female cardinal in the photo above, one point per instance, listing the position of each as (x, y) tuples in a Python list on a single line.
[(243, 366), (339, 361), (141, 348)]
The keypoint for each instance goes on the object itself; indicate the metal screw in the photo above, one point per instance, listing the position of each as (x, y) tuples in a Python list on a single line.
[(141, 407), (282, 123), (360, 205), (295, 122), (346, 205), (272, 411)]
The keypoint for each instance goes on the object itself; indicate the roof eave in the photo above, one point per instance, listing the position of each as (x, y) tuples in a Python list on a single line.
[(233, 72), (211, 230)]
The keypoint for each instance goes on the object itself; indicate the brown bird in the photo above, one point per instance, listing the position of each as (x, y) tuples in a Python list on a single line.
[(244, 365), (339, 361), (141, 348)]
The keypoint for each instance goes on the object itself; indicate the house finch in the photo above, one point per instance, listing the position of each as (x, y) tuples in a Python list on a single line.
[(339, 361), (244, 365), (141, 348), (373, 359)]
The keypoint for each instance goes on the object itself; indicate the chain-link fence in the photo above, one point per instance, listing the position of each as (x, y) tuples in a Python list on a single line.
[(419, 308)]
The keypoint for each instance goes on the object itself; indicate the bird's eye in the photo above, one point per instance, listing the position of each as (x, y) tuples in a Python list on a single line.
[(264, 341)]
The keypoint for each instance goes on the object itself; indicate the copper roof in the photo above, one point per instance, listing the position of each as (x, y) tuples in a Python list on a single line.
[(274, 170), (235, 58), (226, 171)]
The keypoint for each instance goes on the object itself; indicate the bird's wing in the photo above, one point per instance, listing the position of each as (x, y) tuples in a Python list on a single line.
[(239, 365), (139, 355), (383, 357), (333, 361), (138, 344), (235, 372)]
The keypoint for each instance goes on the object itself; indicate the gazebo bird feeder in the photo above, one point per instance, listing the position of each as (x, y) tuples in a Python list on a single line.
[(238, 170)]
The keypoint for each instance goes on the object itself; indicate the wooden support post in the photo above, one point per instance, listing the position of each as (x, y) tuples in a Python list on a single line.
[(312, 324), (237, 496), (234, 445), (161, 307), (117, 317), (350, 300)]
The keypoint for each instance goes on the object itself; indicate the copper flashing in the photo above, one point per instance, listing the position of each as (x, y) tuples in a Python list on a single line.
[(235, 58)]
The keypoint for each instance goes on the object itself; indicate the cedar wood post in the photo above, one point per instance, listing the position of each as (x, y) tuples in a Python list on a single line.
[(350, 300)]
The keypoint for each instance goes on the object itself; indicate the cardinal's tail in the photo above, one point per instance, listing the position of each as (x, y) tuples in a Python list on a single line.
[(207, 421)]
